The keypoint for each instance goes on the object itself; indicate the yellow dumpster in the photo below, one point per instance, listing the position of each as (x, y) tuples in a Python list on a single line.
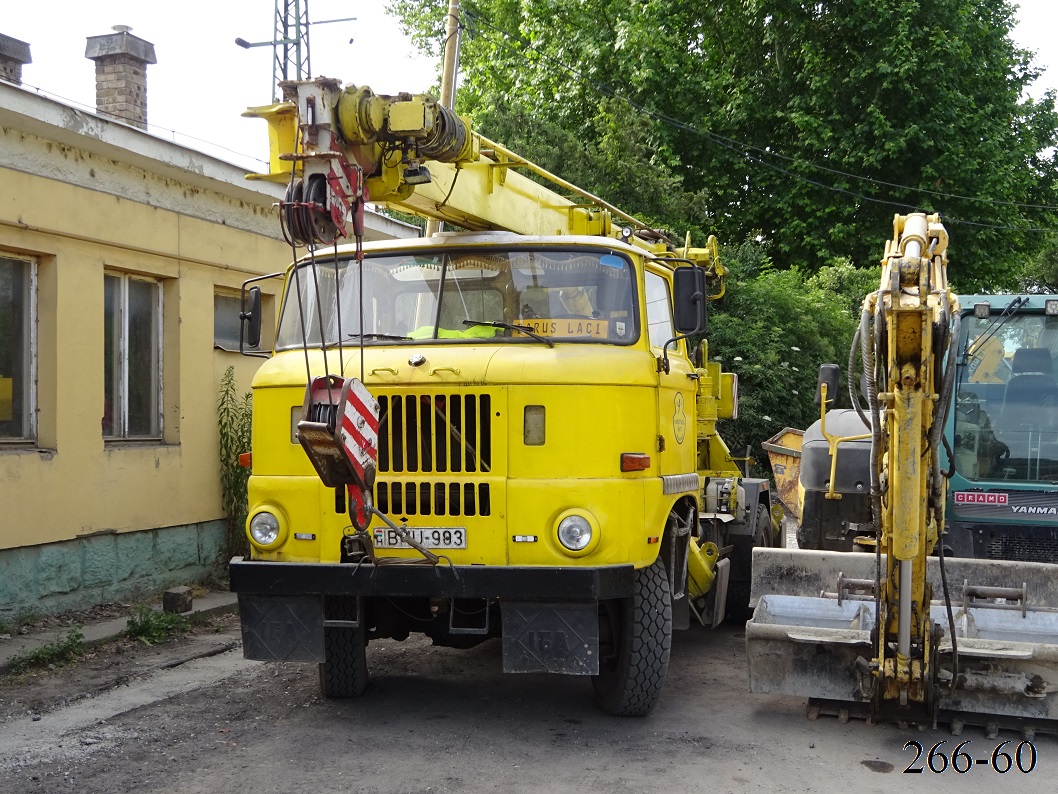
[(784, 451)]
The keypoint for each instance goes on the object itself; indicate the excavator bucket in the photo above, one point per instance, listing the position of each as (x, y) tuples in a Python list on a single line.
[(812, 630)]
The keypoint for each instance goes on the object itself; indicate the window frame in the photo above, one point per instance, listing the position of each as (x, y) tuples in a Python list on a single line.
[(671, 333), (30, 353), (120, 435)]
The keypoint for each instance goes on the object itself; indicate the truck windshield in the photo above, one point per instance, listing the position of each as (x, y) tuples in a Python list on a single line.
[(1006, 410), (567, 295)]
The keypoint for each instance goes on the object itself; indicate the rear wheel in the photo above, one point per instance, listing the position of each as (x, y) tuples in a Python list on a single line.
[(738, 591), (344, 673), (638, 632)]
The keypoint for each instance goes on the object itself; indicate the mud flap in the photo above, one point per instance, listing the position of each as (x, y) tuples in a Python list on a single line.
[(545, 637), (282, 628)]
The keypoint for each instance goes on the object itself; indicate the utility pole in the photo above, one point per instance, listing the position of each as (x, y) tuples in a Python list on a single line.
[(290, 42), (448, 76)]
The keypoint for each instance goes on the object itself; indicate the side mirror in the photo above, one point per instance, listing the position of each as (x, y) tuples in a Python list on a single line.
[(828, 374), (250, 320), (689, 301)]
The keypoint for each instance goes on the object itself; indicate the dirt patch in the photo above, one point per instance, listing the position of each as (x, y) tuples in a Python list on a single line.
[(105, 666)]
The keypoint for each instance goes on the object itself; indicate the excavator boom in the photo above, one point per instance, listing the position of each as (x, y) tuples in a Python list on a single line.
[(900, 633)]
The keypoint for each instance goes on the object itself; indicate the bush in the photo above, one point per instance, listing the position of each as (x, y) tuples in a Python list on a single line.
[(152, 627), (58, 652), (773, 329), (234, 417)]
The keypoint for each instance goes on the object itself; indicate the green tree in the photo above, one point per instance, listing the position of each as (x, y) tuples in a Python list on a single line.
[(773, 329), (810, 122), (1040, 274)]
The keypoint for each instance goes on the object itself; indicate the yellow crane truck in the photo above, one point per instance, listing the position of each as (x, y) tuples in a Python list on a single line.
[(507, 431)]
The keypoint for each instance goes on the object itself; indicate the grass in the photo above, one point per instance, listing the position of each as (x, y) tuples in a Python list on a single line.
[(56, 652), (155, 628)]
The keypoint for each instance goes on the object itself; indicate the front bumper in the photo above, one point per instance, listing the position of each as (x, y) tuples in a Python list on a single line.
[(573, 583), (550, 615)]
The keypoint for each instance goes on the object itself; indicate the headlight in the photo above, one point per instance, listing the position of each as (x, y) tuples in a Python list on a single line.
[(574, 532), (264, 529)]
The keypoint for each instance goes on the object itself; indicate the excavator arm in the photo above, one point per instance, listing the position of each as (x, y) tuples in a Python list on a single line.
[(902, 634)]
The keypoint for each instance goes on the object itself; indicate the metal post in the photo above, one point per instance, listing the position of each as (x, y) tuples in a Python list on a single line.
[(903, 630), (448, 77)]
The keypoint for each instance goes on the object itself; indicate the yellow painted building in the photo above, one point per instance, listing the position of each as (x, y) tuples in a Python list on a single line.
[(121, 259)]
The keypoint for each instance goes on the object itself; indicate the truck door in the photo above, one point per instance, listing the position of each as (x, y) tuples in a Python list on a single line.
[(676, 389)]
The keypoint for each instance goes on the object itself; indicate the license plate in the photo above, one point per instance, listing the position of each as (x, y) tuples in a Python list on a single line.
[(428, 537)]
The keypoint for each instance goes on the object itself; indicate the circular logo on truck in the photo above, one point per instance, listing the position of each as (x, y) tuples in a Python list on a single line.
[(679, 420)]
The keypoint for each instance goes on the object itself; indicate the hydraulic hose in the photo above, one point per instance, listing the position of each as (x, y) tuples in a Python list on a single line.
[(853, 397), (941, 418), (871, 344)]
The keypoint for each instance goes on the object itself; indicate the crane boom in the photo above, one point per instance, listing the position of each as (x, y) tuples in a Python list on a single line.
[(418, 156)]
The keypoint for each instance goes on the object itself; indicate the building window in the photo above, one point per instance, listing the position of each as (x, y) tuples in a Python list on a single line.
[(132, 357), (18, 355), (659, 310)]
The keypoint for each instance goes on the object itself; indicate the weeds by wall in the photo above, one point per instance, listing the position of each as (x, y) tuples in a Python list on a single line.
[(233, 413)]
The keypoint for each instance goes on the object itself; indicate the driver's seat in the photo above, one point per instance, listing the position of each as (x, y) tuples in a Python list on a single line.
[(1031, 395)]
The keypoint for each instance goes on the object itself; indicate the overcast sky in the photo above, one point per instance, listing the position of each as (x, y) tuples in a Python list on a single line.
[(203, 81)]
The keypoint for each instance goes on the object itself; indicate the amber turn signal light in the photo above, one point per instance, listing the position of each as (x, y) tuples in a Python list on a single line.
[(245, 459), (634, 461)]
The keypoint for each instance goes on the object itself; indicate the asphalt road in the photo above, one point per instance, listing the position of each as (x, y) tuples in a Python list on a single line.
[(195, 718)]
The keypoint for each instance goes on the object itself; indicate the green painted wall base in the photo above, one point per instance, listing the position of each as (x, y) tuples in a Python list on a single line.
[(109, 567)]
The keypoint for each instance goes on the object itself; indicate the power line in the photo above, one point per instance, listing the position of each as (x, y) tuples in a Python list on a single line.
[(744, 149)]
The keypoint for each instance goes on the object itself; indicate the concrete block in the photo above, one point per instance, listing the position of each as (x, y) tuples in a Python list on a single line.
[(59, 568), (177, 599), (135, 555), (176, 547), (99, 558), (212, 541), (18, 582)]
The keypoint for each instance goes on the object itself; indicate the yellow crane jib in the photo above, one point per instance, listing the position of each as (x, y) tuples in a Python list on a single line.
[(883, 634), (421, 157)]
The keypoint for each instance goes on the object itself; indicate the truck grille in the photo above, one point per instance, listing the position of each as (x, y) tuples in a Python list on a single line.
[(433, 498), (435, 433), (1023, 549)]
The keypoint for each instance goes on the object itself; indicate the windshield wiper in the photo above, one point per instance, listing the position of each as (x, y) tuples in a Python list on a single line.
[(380, 336), (512, 327)]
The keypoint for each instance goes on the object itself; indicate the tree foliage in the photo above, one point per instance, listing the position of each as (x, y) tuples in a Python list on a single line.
[(812, 123), (776, 328), (1040, 274)]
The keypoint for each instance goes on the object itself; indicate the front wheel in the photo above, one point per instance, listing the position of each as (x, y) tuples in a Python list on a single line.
[(344, 673), (638, 633)]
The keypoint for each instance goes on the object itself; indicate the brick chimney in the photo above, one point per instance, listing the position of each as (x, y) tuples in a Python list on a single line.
[(13, 54), (121, 74)]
